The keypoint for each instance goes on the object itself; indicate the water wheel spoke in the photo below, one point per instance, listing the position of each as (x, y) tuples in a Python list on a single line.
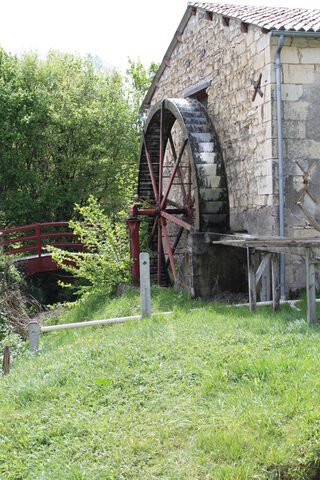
[(159, 252), (189, 181), (172, 203), (174, 171), (177, 221), (154, 187), (183, 190), (153, 231), (174, 246), (161, 153), (170, 254)]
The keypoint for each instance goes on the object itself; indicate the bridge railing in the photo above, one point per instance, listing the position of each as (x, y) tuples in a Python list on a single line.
[(34, 239)]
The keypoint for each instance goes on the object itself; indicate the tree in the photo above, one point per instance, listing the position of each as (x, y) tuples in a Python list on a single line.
[(67, 131), (140, 79)]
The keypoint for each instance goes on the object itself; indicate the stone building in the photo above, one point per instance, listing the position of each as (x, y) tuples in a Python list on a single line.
[(218, 55)]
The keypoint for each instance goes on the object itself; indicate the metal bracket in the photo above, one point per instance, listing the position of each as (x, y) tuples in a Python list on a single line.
[(257, 87)]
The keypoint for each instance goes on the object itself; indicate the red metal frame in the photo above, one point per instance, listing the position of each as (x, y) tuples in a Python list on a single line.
[(133, 225), (163, 209), (39, 260)]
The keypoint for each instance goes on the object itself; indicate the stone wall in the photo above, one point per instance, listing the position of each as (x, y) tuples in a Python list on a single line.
[(300, 59), (230, 59)]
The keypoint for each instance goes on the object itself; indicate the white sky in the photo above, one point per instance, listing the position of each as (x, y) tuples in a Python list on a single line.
[(109, 29)]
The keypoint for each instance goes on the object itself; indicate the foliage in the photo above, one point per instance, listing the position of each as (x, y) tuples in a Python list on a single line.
[(105, 261), (140, 79), (14, 307), (216, 393), (69, 128)]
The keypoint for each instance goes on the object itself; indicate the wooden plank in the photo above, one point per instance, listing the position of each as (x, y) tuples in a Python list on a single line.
[(251, 280), (261, 238), (311, 287), (275, 281), (265, 292), (263, 265), (290, 250)]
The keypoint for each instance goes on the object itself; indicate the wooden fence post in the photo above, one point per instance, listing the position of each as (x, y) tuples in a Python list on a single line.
[(6, 360), (34, 331), (145, 284), (252, 287)]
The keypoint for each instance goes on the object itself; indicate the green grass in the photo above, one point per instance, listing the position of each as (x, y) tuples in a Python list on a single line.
[(214, 393)]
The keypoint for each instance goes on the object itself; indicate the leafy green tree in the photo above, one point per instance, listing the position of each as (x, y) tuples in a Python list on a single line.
[(67, 131), (140, 79)]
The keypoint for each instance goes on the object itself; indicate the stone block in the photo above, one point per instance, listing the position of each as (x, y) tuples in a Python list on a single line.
[(263, 43), (313, 42), (297, 149), (258, 61), (266, 112), (295, 129), (267, 168), (299, 74), (290, 55), (299, 42), (291, 93), (310, 55), (295, 110)]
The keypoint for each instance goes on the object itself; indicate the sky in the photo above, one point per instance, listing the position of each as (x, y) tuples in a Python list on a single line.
[(112, 30)]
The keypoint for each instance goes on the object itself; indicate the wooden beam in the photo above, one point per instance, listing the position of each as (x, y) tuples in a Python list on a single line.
[(265, 292), (225, 21), (244, 27), (263, 265), (275, 281), (251, 279), (311, 287)]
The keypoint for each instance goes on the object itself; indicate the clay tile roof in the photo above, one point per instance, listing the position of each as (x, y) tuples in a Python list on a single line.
[(271, 18)]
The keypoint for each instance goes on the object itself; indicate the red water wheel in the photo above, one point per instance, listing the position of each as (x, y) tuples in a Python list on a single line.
[(182, 184)]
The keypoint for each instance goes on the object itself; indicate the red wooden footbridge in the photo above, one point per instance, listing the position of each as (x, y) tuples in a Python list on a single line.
[(29, 244)]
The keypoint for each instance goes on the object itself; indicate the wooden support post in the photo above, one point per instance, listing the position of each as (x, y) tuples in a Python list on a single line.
[(265, 292), (6, 360), (34, 331), (275, 281), (145, 292), (311, 286), (252, 287)]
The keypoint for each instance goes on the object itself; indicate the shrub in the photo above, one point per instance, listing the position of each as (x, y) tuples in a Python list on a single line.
[(105, 261), (14, 306)]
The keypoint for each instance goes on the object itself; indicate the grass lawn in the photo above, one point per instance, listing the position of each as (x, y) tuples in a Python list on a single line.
[(213, 393)]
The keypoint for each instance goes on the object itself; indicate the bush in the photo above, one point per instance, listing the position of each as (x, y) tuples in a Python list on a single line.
[(14, 306), (105, 261)]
